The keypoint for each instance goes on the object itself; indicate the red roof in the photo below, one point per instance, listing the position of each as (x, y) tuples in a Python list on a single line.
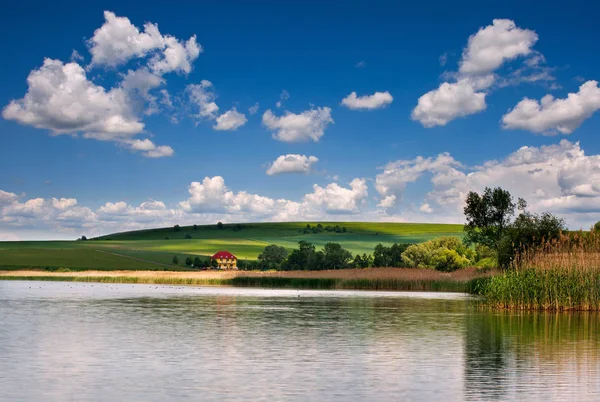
[(223, 254)]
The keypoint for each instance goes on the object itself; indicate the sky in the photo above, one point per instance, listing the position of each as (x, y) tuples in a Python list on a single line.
[(120, 117)]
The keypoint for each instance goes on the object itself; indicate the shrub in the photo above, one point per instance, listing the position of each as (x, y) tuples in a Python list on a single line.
[(447, 260), (175, 260), (189, 261)]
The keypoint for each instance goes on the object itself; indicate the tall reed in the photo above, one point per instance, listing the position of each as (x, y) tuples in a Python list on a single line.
[(562, 274)]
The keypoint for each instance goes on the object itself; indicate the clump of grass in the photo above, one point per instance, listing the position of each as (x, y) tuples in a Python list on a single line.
[(562, 274)]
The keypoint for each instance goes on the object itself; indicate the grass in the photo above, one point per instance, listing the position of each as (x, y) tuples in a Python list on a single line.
[(246, 243), (561, 275), (357, 279)]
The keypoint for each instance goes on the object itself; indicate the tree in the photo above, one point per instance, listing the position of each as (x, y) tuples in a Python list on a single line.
[(219, 225), (176, 228), (302, 257), (273, 254), (597, 226), (189, 261), (488, 215), (197, 262), (195, 227), (175, 260), (83, 238), (528, 230), (367, 260), (335, 257), (188, 236), (214, 263), (358, 261), (381, 256)]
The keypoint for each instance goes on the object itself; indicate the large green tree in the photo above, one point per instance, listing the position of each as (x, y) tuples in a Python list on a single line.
[(273, 254), (335, 257), (488, 215)]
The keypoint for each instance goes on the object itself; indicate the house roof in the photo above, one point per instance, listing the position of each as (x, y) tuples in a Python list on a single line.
[(223, 254)]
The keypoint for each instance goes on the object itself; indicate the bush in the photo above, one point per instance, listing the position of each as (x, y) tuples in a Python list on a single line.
[(188, 236), (447, 260), (197, 262), (417, 256), (189, 261), (175, 260)]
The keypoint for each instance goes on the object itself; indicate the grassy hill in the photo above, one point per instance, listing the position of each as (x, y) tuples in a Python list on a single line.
[(155, 248)]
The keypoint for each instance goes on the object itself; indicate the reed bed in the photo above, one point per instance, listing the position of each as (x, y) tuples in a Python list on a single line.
[(355, 279), (561, 275)]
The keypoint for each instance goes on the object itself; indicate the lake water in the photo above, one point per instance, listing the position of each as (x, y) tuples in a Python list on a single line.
[(107, 342)]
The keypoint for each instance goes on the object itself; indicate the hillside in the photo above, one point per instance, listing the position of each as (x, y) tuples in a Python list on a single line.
[(155, 248)]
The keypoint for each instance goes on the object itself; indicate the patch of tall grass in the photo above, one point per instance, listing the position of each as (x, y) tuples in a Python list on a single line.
[(562, 274), (439, 285)]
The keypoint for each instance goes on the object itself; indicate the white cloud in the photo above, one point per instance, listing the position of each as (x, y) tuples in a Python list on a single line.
[(254, 109), (149, 149), (60, 98), (177, 56), (118, 41), (449, 101), (292, 163), (375, 101), (230, 120), (494, 44), (202, 95), (285, 95), (387, 202), (426, 208), (551, 115), (291, 127), (486, 51), (335, 199), (7, 198), (560, 178)]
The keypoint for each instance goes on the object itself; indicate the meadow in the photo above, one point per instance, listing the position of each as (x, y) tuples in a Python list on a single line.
[(154, 249)]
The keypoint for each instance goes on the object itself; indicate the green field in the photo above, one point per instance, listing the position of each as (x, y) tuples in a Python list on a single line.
[(150, 249)]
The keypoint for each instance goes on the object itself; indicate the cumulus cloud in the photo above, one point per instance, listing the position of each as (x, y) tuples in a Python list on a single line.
[(149, 149), (426, 208), (305, 126), (448, 102), (375, 101), (550, 116), (202, 95), (335, 199), (486, 51), (118, 41), (254, 109), (292, 163), (230, 120), (560, 178), (60, 98), (387, 202), (494, 44)]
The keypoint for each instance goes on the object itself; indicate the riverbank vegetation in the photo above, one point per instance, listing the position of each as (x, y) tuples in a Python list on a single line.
[(357, 279), (558, 274)]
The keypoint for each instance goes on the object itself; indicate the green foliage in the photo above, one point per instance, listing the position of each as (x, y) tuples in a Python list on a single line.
[(189, 261), (176, 228), (597, 226), (219, 225), (188, 236), (488, 215), (273, 254), (389, 256), (335, 257), (197, 262), (447, 260), (527, 231), (175, 260), (444, 254), (214, 263), (195, 227)]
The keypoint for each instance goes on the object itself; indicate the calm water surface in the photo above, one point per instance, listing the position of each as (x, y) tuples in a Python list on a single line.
[(107, 342)]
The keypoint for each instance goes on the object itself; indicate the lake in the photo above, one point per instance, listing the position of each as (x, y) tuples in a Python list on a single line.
[(63, 341)]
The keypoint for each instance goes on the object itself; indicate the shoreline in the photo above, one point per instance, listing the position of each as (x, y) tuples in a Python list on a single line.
[(390, 279)]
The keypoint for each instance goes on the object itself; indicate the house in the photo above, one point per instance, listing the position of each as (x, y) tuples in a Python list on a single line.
[(225, 260)]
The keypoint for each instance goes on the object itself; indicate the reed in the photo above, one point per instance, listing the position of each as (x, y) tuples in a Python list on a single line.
[(440, 285), (562, 274)]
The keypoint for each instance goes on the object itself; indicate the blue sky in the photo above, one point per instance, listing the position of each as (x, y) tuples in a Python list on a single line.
[(124, 125)]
